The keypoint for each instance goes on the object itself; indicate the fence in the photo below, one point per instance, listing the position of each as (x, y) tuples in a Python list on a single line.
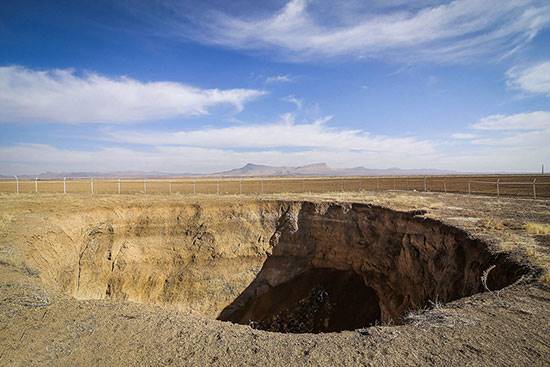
[(534, 186)]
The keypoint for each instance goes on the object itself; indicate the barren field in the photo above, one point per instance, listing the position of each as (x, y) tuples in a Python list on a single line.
[(532, 186), (348, 278)]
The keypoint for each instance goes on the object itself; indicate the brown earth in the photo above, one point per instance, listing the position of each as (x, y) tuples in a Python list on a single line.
[(335, 279)]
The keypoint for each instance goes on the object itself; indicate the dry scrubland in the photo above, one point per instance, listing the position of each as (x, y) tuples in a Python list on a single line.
[(273, 279)]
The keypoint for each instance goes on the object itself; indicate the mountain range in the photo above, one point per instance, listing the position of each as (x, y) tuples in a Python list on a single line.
[(322, 169), (252, 170)]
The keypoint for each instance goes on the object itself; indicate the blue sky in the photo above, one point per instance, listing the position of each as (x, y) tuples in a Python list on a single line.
[(202, 86)]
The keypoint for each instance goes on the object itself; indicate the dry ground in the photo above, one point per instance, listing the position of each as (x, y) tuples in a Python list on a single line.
[(40, 325)]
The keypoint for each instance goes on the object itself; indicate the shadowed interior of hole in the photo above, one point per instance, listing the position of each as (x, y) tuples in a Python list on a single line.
[(318, 300)]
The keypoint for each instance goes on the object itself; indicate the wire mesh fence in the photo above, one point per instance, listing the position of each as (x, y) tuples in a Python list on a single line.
[(534, 186)]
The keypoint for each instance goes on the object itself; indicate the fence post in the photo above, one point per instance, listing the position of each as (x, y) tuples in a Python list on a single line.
[(36, 185), (469, 187), (425, 184), (64, 185), (342, 184), (377, 183), (395, 183), (16, 184), (498, 187), (92, 185), (445, 186), (534, 188), (118, 186)]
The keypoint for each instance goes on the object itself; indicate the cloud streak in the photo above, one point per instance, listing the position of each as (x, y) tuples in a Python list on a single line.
[(62, 96), (285, 133), (279, 79), (534, 79), (523, 134), (521, 121), (459, 30)]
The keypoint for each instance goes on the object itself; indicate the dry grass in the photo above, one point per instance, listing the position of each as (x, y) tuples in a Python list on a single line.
[(537, 228), (5, 219), (436, 316)]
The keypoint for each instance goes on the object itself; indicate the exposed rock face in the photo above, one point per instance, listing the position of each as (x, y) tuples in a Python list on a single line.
[(280, 266)]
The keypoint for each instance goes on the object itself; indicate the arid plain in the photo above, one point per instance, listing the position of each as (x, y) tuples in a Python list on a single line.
[(364, 278)]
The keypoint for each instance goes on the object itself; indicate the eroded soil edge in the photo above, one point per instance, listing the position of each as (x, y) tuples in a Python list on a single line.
[(279, 266)]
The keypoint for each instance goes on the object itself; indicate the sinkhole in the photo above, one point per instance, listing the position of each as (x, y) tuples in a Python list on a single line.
[(280, 266)]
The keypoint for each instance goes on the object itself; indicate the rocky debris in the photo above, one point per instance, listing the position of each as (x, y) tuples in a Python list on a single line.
[(310, 315)]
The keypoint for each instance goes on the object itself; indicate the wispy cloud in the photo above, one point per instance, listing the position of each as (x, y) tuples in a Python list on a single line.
[(534, 79), (522, 121), (463, 136), (536, 140), (279, 79), (456, 31), (295, 101), (285, 133), (525, 134), (62, 96)]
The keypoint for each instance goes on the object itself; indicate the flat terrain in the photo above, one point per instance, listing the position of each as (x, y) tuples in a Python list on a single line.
[(50, 315), (531, 186)]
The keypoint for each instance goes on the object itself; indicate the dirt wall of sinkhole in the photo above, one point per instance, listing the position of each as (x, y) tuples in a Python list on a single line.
[(276, 265)]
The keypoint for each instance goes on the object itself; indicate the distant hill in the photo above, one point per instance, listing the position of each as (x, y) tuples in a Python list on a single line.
[(249, 170), (322, 169)]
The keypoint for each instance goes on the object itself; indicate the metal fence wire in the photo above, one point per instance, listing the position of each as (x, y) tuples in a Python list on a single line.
[(533, 186)]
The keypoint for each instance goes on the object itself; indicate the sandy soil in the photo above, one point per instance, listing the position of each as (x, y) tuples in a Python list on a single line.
[(42, 324)]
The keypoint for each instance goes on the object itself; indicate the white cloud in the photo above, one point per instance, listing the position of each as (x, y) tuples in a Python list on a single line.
[(463, 136), (63, 96), (285, 133), (531, 139), (455, 31), (520, 121), (534, 79), (295, 101), (279, 79), (523, 137)]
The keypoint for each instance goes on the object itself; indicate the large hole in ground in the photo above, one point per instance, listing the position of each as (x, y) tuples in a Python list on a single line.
[(278, 266)]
